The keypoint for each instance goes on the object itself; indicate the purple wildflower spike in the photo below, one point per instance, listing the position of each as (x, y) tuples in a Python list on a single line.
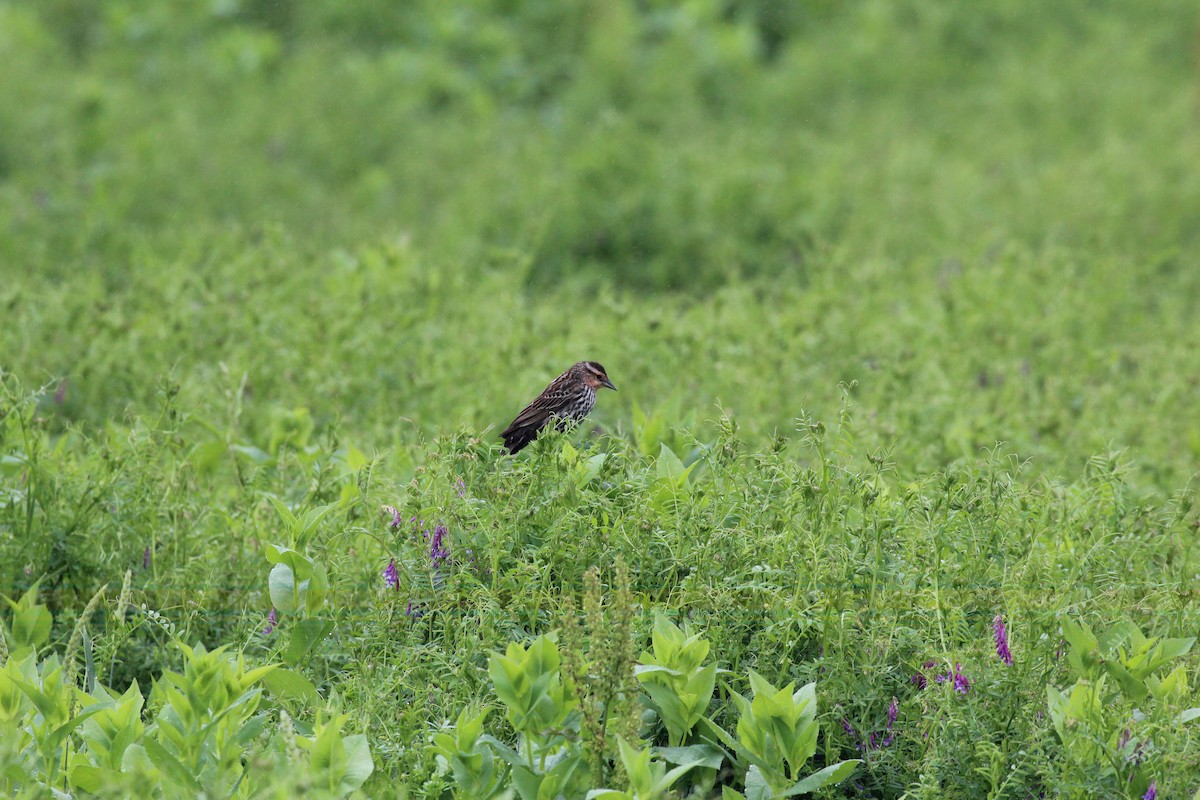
[(272, 620), (1151, 792), (146, 558), (391, 576), (892, 712), (439, 549), (1001, 635)]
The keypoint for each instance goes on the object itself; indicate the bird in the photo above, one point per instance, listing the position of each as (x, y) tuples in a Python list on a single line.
[(566, 401)]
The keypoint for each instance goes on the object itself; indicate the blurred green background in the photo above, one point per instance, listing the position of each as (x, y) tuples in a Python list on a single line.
[(986, 214)]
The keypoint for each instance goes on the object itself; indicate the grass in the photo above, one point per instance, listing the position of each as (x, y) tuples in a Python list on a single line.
[(909, 287)]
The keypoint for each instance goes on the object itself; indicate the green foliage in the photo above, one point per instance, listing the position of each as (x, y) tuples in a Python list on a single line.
[(30, 625), (207, 733), (1104, 734), (900, 298), (551, 761), (676, 678)]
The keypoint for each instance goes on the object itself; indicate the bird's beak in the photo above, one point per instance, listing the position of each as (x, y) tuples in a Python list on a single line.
[(608, 383)]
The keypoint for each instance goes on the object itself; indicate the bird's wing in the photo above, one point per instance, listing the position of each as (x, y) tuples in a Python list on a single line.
[(538, 412)]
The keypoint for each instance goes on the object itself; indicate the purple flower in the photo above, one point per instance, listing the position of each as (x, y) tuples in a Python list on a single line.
[(1001, 634), (848, 728), (461, 487), (146, 558), (1123, 739), (962, 684), (919, 678), (892, 712), (1151, 792), (439, 549), (391, 576), (272, 620), (396, 519)]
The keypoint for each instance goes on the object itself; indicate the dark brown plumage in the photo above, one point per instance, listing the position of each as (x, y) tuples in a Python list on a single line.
[(567, 399)]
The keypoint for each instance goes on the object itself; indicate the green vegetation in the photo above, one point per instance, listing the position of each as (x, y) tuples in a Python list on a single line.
[(900, 299)]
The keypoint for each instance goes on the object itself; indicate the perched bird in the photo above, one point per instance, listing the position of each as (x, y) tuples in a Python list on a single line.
[(567, 399)]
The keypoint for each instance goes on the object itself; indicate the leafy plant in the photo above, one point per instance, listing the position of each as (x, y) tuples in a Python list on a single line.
[(679, 683), (1101, 731)]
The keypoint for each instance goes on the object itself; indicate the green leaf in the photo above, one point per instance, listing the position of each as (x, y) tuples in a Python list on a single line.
[(170, 766), (251, 452), (281, 584), (311, 519), (205, 458), (831, 775), (30, 626), (648, 669), (698, 755), (290, 522), (1133, 688), (299, 563), (526, 782), (306, 634), (359, 764), (756, 785), (90, 779), (286, 684), (1084, 647), (318, 588), (670, 467)]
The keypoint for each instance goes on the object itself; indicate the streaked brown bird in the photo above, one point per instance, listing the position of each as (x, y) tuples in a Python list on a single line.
[(568, 399)]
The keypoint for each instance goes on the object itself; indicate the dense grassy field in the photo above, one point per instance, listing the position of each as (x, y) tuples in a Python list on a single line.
[(900, 298)]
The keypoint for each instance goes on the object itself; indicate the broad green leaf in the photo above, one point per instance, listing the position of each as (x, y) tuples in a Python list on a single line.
[(671, 468), (167, 764), (756, 785), (311, 519), (698, 755), (290, 523), (359, 764), (306, 634), (299, 563), (255, 454), (281, 584), (318, 588), (1133, 688), (30, 626), (287, 684), (91, 779), (831, 775)]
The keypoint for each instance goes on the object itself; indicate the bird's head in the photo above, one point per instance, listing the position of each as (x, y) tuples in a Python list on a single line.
[(594, 375)]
